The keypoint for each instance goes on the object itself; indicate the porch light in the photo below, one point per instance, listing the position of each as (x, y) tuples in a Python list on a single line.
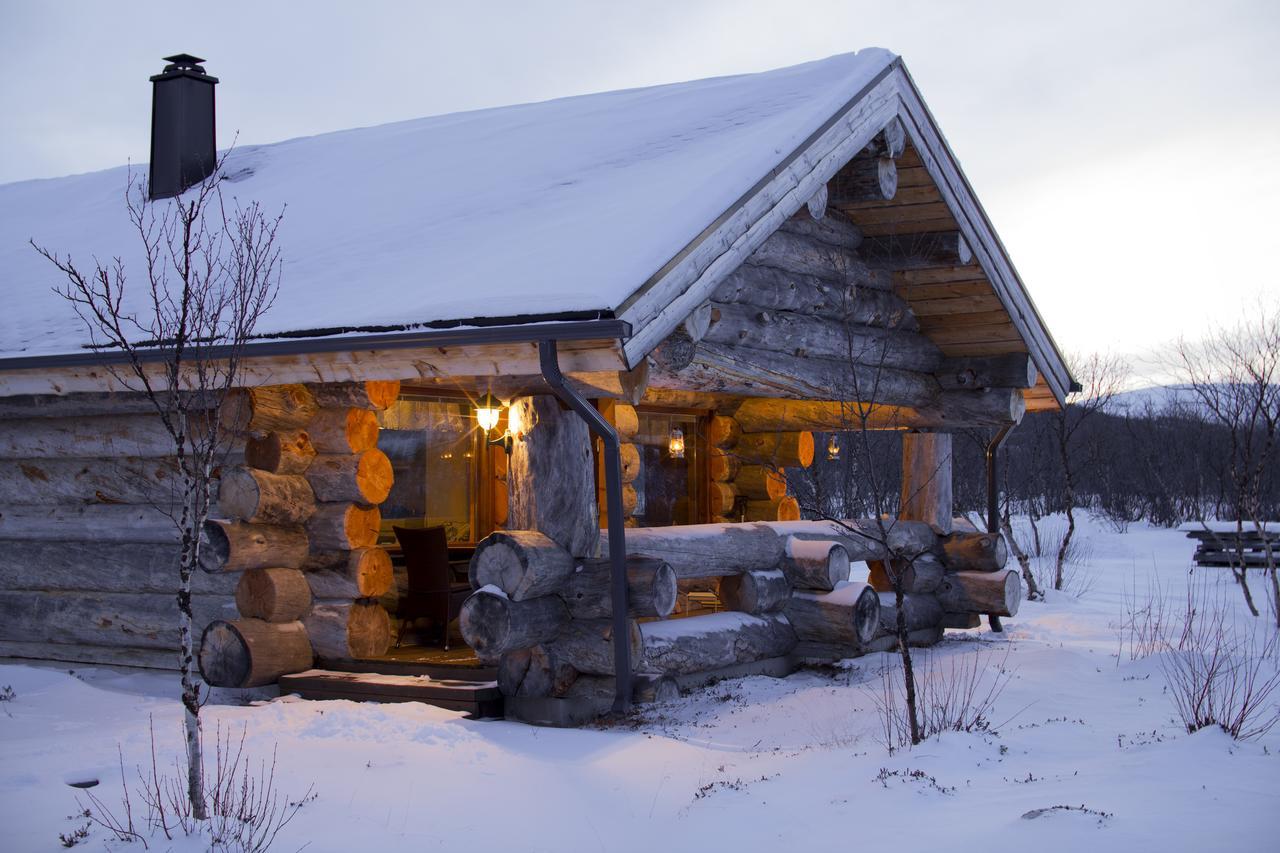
[(487, 412), (675, 445), (833, 448)]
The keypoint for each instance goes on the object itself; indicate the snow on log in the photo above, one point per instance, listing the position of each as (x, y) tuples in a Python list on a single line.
[(364, 478), (702, 643), (523, 564), (343, 527), (252, 653), (845, 619), (815, 564), (706, 550), (362, 573), (982, 592), (863, 539), (651, 588), (755, 592), (233, 546), (371, 394), (343, 430), (492, 623), (260, 497), (273, 595), (975, 552), (358, 629), (280, 452)]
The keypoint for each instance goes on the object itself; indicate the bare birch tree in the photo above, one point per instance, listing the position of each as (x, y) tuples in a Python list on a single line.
[(1101, 377), (176, 334), (1234, 374)]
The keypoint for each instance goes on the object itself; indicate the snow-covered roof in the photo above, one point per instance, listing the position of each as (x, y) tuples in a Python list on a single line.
[(553, 208)]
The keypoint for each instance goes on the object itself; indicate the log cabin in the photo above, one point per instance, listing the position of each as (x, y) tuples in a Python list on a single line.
[(532, 384)]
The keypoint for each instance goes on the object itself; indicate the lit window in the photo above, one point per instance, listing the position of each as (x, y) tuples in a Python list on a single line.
[(434, 444)]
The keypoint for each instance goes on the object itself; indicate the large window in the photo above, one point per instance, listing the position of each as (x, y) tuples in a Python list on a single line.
[(435, 447), (670, 487)]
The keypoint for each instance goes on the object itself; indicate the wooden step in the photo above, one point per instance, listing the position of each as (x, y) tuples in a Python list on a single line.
[(480, 699)]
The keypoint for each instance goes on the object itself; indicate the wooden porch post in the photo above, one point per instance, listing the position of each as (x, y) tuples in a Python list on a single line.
[(926, 479)]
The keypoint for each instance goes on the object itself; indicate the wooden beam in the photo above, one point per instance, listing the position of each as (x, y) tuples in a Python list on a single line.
[(916, 250), (1015, 370), (355, 365), (818, 337), (865, 178), (747, 372), (950, 409)]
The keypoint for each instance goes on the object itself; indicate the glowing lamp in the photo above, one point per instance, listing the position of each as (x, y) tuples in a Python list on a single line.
[(833, 448), (675, 444), (487, 412)]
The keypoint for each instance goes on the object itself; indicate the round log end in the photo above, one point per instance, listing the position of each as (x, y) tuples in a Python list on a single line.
[(866, 615)]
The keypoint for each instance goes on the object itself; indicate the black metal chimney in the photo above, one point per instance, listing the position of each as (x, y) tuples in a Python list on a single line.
[(182, 127)]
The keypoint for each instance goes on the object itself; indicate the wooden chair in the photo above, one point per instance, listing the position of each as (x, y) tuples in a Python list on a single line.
[(432, 591)]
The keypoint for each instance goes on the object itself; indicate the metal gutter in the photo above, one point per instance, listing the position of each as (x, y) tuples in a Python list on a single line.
[(613, 498), (578, 330)]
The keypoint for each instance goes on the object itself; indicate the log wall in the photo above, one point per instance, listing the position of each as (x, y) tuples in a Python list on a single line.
[(88, 560)]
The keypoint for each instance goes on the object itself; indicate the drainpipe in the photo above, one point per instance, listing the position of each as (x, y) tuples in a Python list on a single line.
[(993, 500), (613, 498)]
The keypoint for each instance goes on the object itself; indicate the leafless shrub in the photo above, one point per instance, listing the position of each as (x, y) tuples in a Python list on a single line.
[(1068, 570), (1219, 672), (246, 811), (958, 696), (1146, 616)]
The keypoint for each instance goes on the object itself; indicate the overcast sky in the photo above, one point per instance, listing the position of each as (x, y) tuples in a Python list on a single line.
[(1128, 153)]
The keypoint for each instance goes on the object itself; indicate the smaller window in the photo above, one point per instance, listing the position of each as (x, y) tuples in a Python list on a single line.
[(669, 488)]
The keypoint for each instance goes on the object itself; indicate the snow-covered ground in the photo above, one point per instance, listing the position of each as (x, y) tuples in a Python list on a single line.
[(750, 764)]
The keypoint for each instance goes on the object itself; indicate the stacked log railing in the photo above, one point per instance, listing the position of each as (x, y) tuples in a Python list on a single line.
[(544, 615)]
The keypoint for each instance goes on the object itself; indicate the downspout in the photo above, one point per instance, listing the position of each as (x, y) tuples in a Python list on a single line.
[(993, 499), (550, 363)]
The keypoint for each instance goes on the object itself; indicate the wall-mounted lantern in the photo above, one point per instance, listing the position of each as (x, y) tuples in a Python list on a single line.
[(488, 410), (675, 444), (833, 448)]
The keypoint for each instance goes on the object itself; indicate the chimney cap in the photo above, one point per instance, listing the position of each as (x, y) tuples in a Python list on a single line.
[(184, 65)]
